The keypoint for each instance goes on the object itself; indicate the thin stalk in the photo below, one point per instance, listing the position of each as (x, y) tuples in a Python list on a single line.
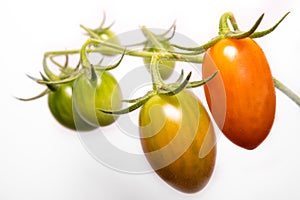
[(223, 24), (155, 75), (288, 92), (129, 52)]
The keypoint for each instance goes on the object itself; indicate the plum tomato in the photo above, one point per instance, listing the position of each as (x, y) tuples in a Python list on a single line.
[(178, 140), (60, 105), (241, 97), (166, 67), (92, 94)]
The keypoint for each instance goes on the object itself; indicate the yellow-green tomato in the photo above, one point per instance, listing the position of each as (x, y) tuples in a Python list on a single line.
[(92, 94), (178, 140)]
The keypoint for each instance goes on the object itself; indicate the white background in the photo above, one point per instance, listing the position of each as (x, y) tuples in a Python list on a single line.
[(39, 159)]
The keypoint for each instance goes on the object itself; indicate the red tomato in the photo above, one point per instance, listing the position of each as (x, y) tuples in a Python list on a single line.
[(242, 95)]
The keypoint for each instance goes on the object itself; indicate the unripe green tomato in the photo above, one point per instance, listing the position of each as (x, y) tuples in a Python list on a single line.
[(90, 95), (166, 67), (108, 36), (60, 105)]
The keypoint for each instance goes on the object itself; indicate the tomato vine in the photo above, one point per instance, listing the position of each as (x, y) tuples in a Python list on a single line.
[(96, 98), (113, 47)]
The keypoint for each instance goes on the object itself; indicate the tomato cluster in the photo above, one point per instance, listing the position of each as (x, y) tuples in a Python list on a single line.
[(176, 132), (84, 96), (76, 94)]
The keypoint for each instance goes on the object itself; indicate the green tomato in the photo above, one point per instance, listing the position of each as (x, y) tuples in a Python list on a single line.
[(108, 36), (166, 67), (60, 105), (101, 92), (178, 139)]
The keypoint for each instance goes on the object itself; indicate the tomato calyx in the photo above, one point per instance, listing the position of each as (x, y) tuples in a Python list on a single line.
[(226, 32), (105, 34), (159, 43), (100, 30)]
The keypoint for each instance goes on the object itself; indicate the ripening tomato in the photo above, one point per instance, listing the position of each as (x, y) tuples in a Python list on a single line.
[(60, 105), (178, 140), (92, 94), (242, 95), (166, 67)]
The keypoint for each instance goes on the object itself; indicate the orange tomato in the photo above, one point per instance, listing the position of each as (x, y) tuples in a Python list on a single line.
[(178, 140), (241, 97)]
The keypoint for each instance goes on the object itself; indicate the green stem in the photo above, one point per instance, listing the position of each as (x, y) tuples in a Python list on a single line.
[(223, 24), (175, 56), (121, 50), (83, 56), (288, 92), (200, 49), (62, 53), (155, 75), (47, 71)]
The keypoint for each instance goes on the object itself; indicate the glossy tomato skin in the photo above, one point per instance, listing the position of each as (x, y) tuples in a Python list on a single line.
[(60, 104), (178, 140), (101, 93), (242, 95), (166, 67)]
